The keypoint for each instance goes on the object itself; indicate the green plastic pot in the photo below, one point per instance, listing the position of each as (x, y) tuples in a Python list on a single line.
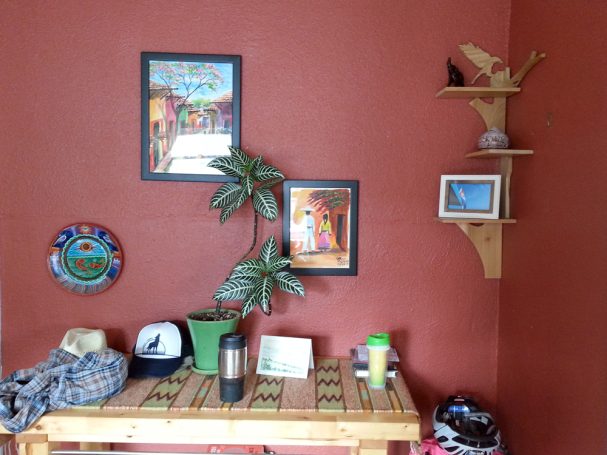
[(205, 339)]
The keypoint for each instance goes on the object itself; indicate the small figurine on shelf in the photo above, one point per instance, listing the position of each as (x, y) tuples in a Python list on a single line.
[(456, 78), (493, 139)]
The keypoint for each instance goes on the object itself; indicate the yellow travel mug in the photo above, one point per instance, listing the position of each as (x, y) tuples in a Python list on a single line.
[(378, 345)]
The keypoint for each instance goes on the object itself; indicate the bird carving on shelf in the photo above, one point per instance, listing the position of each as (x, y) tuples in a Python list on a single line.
[(481, 59)]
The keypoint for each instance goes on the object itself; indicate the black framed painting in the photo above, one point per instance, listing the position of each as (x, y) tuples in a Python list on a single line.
[(190, 114), (320, 226)]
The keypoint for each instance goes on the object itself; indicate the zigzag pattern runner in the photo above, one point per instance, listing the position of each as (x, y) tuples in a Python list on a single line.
[(329, 394), (330, 387)]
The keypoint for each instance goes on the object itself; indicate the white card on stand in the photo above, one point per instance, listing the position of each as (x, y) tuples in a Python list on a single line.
[(285, 356)]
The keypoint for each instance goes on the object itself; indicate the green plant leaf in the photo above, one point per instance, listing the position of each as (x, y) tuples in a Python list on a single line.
[(247, 184), (227, 211), (266, 172), (264, 203), (258, 161), (266, 307), (248, 304), (251, 268), (289, 283), (268, 250), (263, 288), (270, 183), (227, 165), (225, 195), (240, 157), (278, 263), (233, 289)]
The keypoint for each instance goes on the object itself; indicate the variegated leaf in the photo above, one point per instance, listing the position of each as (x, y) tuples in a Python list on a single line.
[(266, 172), (258, 161), (278, 263), (247, 184), (289, 283), (248, 304), (266, 307), (240, 157), (249, 268), (268, 250), (270, 183), (265, 204), (263, 288), (226, 212), (225, 195), (227, 165), (233, 289)]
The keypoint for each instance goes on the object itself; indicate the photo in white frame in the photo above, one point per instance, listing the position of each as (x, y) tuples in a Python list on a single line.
[(470, 196)]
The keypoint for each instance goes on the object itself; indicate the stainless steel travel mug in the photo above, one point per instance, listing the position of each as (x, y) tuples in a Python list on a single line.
[(232, 366)]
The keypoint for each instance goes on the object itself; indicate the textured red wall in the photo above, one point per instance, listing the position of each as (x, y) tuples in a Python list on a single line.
[(332, 89), (552, 344)]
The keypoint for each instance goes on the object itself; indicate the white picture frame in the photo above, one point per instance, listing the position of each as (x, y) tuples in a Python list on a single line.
[(470, 196)]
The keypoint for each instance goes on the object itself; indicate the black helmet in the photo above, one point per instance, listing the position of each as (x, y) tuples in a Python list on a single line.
[(462, 428)]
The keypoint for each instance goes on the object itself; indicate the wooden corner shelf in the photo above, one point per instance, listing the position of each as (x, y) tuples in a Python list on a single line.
[(486, 235), (477, 92)]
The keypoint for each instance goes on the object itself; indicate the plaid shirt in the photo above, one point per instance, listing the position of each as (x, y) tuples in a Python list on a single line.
[(62, 381)]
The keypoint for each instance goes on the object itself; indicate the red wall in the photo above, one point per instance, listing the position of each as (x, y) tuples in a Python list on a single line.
[(552, 382), (334, 89)]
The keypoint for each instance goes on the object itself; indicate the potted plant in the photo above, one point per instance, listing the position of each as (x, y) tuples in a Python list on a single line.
[(251, 280)]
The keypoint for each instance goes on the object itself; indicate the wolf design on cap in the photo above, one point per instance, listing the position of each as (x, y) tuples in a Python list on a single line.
[(151, 345)]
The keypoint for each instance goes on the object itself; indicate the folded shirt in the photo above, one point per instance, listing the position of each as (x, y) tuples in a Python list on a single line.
[(62, 381)]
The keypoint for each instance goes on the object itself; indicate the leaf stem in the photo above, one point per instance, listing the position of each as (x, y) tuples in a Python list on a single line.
[(244, 256)]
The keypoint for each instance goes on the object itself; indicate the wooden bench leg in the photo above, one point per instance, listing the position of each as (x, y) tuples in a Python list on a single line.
[(94, 446), (35, 448), (370, 448)]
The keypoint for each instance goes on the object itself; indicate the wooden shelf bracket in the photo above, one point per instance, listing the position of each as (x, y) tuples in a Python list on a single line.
[(487, 239)]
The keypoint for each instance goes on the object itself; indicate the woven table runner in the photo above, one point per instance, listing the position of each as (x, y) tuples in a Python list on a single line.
[(330, 387)]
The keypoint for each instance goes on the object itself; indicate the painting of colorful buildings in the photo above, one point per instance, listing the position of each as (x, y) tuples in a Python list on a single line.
[(190, 115)]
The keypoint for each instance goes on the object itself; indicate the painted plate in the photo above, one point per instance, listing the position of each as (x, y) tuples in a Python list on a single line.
[(85, 259)]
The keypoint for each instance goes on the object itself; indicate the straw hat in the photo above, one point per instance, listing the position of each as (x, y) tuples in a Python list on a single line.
[(80, 341)]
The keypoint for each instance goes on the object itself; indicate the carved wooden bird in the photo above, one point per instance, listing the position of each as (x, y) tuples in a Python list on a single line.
[(480, 58)]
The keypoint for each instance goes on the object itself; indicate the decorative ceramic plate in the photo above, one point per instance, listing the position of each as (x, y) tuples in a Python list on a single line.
[(85, 259)]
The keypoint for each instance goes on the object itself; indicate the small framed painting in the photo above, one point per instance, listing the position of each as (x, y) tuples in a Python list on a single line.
[(190, 114), (320, 226), (470, 196)]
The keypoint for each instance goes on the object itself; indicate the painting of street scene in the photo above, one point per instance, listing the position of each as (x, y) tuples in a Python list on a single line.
[(320, 233), (193, 113)]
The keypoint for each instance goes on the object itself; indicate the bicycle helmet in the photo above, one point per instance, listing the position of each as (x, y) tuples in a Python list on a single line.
[(462, 428)]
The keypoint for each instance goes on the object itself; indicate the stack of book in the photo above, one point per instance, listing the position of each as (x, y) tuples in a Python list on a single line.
[(360, 362)]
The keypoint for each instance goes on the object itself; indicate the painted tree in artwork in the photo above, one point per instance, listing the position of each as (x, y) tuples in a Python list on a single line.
[(184, 79), (327, 200)]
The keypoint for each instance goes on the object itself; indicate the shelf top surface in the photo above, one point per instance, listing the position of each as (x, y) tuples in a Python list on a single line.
[(477, 220), (497, 153), (477, 92)]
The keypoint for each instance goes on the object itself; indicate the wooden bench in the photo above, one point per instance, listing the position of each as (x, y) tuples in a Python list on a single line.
[(330, 408)]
